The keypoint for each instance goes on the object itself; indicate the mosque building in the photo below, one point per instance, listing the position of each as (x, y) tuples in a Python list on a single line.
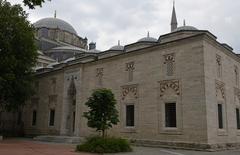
[(179, 90)]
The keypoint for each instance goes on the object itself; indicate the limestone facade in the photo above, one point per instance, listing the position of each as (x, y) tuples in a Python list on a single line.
[(193, 71)]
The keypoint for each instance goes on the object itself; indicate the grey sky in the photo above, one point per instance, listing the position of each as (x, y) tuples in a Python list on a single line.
[(107, 21)]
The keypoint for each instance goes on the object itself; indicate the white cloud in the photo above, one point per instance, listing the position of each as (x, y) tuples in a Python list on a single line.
[(106, 21)]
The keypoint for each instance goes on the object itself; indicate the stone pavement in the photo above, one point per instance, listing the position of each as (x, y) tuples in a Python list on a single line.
[(162, 151), (29, 147)]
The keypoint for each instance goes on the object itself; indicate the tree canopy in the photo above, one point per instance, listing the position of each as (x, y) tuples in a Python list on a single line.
[(102, 113), (17, 56), (32, 3)]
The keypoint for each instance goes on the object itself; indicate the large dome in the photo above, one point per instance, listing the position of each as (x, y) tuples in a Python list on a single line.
[(55, 23)]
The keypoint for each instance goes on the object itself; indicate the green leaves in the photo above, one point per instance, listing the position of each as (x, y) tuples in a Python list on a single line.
[(17, 56), (103, 113), (32, 3)]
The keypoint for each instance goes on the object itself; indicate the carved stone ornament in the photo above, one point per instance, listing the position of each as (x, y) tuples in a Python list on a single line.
[(220, 86), (173, 84), (130, 66), (169, 58), (99, 72), (130, 89), (218, 59)]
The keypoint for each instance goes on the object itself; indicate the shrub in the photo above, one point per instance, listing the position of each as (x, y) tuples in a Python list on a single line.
[(104, 145)]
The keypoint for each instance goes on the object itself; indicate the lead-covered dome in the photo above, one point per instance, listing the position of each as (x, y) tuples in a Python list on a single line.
[(117, 47), (185, 28), (147, 39), (54, 23)]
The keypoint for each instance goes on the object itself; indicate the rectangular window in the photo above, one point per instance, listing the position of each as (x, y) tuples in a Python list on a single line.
[(34, 118), (169, 68), (170, 115), (52, 117), (238, 118), (220, 116), (130, 115)]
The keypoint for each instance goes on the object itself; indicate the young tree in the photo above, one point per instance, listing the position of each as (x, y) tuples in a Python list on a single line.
[(17, 56), (103, 113)]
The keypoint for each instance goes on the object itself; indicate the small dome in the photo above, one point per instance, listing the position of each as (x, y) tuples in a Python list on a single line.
[(185, 28), (117, 47), (55, 23), (148, 39)]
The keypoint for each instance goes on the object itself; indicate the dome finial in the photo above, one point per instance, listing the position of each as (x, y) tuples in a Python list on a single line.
[(148, 35), (184, 22), (55, 14), (118, 42)]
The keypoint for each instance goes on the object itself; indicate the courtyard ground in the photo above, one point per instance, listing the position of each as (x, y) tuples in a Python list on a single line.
[(30, 147)]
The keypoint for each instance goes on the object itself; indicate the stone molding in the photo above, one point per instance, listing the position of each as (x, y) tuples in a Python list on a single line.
[(169, 58), (130, 89), (220, 86), (130, 66), (165, 84)]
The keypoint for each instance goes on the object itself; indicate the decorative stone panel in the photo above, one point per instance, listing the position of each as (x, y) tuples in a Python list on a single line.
[(130, 66), (166, 84), (129, 89), (169, 57), (220, 86), (99, 72)]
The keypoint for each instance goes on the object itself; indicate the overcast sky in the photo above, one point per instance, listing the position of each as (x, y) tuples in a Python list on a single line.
[(107, 21)]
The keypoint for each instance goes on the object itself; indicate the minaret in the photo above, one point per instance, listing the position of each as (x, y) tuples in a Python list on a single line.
[(55, 14), (174, 18)]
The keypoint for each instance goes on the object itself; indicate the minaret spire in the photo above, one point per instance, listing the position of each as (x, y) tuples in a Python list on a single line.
[(174, 18), (55, 14)]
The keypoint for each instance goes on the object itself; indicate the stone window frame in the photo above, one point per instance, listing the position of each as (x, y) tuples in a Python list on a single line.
[(175, 85), (237, 105), (130, 67), (34, 110), (238, 127), (125, 128), (175, 104), (126, 89), (221, 131), (130, 104), (49, 117), (221, 87)]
